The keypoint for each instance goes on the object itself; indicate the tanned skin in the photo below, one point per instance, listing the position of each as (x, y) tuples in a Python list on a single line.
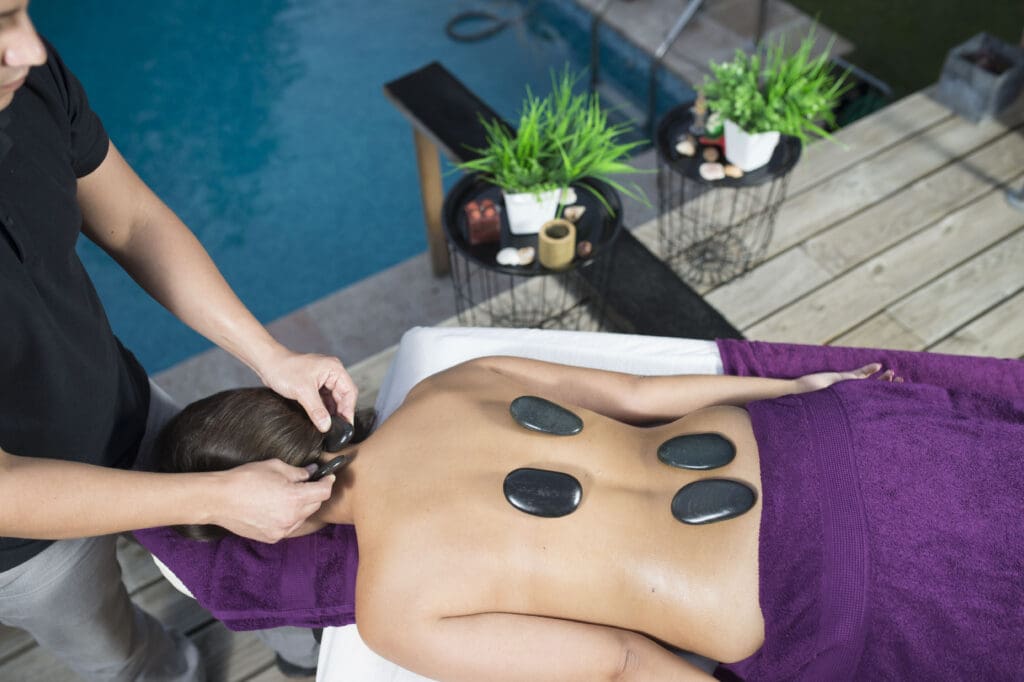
[(456, 584)]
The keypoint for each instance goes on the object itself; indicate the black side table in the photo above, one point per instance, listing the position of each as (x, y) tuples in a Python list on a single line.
[(712, 231), (491, 295)]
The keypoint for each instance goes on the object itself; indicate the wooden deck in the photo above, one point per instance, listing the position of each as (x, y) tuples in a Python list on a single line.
[(899, 238)]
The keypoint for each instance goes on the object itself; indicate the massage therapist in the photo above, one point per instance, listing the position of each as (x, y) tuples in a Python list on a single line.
[(75, 406)]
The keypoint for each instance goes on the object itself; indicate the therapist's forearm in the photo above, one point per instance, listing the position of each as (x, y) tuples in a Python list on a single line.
[(126, 218), (52, 500), (168, 261)]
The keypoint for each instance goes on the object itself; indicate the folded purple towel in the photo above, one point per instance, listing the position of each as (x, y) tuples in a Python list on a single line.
[(891, 544), (307, 581)]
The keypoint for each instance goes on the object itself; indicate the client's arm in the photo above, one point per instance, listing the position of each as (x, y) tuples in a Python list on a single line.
[(507, 646), (641, 399)]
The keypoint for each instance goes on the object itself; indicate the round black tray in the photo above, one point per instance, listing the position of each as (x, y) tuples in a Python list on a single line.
[(675, 125), (597, 225)]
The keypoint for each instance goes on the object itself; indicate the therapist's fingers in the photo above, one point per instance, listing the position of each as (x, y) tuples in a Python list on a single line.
[(343, 392)]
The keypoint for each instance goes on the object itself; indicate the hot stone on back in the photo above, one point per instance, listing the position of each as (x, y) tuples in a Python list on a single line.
[(538, 414), (697, 451), (712, 499), (539, 492)]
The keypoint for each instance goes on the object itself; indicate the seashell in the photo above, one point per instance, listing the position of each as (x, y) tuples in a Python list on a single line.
[(568, 196), (732, 171), (711, 154), (574, 213), (712, 171), (526, 255), (687, 146), (508, 256), (584, 249)]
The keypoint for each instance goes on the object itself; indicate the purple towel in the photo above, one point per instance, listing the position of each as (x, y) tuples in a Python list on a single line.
[(891, 545), (308, 581), (986, 376)]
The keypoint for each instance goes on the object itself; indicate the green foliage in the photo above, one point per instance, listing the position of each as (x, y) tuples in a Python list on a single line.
[(794, 94), (561, 139)]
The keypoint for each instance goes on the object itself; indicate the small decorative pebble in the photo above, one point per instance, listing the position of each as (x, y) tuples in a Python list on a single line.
[(574, 212), (508, 256), (568, 196), (687, 146), (697, 451), (584, 249), (538, 414), (712, 499), (712, 171), (544, 493), (732, 171), (711, 154), (526, 255)]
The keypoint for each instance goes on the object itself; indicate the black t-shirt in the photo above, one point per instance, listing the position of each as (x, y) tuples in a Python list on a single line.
[(68, 389)]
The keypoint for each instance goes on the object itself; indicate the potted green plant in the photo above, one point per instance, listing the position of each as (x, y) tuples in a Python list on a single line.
[(561, 139), (771, 93)]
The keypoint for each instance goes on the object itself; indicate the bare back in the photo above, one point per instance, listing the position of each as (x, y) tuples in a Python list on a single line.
[(445, 542)]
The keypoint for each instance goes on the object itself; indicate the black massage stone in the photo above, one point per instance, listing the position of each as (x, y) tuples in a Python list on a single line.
[(697, 451), (339, 434), (543, 493), (538, 414), (712, 499)]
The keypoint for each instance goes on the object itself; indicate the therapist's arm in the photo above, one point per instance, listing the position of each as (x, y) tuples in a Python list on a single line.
[(125, 218), (52, 500), (645, 399)]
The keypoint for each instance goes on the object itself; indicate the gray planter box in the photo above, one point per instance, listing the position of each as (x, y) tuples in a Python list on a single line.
[(981, 77)]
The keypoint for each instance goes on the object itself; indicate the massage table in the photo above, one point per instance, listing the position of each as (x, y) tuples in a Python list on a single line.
[(968, 419), (424, 351)]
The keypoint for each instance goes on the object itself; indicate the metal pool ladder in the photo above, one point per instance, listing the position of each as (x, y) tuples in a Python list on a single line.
[(691, 9)]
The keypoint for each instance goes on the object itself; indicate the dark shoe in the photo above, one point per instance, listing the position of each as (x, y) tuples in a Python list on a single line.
[(291, 670)]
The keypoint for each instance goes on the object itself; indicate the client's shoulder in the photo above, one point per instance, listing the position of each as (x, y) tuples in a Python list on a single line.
[(462, 378)]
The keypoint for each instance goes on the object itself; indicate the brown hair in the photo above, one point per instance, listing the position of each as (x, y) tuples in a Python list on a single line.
[(235, 427)]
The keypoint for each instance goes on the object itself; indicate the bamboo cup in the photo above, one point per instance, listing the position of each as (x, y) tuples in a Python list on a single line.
[(556, 244)]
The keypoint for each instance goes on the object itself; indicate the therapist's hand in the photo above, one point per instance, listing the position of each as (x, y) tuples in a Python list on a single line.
[(318, 382), (266, 500)]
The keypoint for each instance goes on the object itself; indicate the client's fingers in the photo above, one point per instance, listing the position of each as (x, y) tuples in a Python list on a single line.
[(887, 375), (868, 370)]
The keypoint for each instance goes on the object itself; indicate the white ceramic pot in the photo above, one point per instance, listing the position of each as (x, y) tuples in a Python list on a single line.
[(526, 212), (748, 152)]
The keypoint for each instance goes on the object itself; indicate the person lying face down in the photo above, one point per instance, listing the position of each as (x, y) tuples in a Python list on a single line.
[(514, 521)]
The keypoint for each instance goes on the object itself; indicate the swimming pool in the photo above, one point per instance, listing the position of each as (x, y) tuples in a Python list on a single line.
[(262, 123)]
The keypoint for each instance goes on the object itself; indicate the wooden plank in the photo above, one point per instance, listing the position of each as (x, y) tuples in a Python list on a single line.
[(36, 664), (864, 291), (871, 181), (272, 674), (232, 656), (172, 608), (867, 233), (997, 333), (137, 568), (866, 137), (881, 331), (945, 304), (13, 641), (768, 287), (428, 162)]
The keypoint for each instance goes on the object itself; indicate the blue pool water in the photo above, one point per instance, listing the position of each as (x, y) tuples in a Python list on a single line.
[(262, 123)]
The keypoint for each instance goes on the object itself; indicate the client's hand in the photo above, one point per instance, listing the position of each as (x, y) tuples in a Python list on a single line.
[(820, 380), (313, 380), (267, 500)]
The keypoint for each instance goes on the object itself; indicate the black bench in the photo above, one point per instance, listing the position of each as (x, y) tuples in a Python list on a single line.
[(644, 296)]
